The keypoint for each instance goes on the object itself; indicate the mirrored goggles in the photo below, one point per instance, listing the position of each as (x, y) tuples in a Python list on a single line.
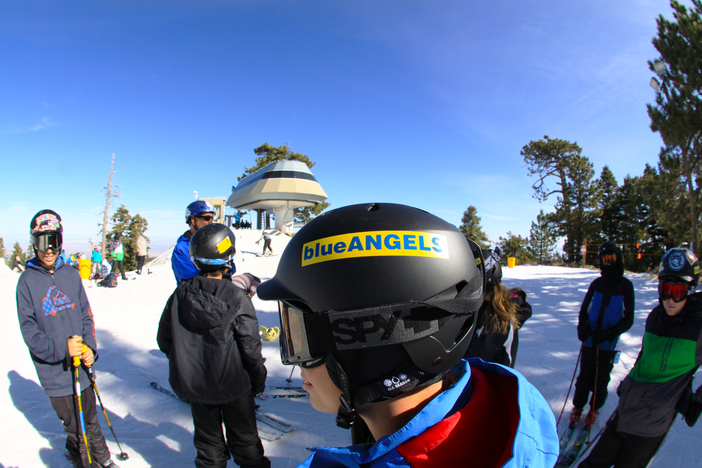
[(51, 240), (608, 259), (678, 292), (294, 345)]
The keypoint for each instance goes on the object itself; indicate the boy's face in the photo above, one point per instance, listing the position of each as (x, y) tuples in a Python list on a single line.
[(324, 395), (673, 308), (48, 258)]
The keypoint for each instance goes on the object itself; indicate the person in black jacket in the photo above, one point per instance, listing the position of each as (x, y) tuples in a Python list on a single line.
[(502, 314), (210, 334), (607, 311)]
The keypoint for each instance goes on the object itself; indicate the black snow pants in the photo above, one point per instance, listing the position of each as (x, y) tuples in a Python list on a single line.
[(586, 378), (67, 411), (621, 450), (242, 440)]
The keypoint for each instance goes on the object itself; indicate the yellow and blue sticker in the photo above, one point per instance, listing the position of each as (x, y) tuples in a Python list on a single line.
[(375, 244)]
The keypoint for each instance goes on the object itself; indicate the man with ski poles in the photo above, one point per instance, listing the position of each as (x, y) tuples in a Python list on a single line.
[(56, 320), (660, 384)]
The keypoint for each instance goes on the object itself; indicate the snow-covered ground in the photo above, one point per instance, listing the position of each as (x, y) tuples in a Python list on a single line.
[(156, 430)]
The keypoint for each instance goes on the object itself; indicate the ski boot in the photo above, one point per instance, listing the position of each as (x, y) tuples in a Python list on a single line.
[(575, 416), (591, 417)]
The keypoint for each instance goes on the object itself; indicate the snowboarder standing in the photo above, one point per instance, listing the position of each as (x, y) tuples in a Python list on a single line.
[(607, 311), (210, 334), (660, 384), (377, 305), (56, 321)]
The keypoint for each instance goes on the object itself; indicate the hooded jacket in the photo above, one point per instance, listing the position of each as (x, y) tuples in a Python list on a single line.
[(492, 417), (183, 267), (51, 308), (670, 355), (210, 334)]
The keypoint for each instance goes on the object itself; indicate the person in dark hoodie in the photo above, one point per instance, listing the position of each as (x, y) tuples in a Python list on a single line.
[(502, 314), (660, 384), (56, 322), (210, 334), (607, 311)]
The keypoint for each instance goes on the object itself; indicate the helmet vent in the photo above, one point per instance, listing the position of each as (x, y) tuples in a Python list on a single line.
[(436, 362), (373, 207)]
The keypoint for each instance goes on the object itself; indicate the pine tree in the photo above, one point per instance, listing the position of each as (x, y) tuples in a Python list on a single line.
[(515, 246), (17, 252), (3, 254), (470, 227)]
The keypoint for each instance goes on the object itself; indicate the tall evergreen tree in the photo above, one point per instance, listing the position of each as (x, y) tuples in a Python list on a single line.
[(470, 227), (515, 246), (677, 113), (553, 158), (3, 254), (129, 228), (17, 252), (607, 209)]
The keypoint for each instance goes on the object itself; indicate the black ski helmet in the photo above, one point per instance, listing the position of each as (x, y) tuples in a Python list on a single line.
[(493, 267), (613, 269), (386, 293), (212, 247), (682, 265), (46, 231)]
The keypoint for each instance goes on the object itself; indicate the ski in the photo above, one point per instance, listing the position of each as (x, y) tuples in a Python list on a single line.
[(167, 391), (268, 396), (291, 387), (566, 437), (269, 433), (571, 454), (275, 422)]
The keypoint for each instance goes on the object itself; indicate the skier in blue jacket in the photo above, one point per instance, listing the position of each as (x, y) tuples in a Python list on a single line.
[(607, 311), (378, 304), (199, 213), (56, 321)]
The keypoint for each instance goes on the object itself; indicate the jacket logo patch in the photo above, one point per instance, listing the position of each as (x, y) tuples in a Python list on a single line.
[(375, 244), (56, 301)]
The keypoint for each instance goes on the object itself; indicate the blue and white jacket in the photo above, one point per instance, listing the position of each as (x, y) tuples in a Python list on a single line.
[(183, 267), (51, 308), (492, 417), (608, 305)]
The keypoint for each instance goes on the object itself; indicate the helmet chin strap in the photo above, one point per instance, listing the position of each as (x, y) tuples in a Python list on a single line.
[(346, 412)]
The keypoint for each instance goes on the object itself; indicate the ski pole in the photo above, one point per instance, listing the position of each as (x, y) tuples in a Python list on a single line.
[(571, 384), (76, 389), (123, 455), (289, 379), (594, 391)]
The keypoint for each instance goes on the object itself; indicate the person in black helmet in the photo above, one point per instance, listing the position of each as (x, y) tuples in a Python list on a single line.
[(502, 314), (660, 384), (378, 305), (210, 334), (607, 311), (56, 322)]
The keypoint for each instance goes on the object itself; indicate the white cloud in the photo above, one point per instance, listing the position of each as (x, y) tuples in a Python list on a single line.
[(45, 122)]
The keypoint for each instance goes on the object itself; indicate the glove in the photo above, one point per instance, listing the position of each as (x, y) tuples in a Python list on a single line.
[(584, 331), (689, 407), (693, 413), (257, 387), (600, 336)]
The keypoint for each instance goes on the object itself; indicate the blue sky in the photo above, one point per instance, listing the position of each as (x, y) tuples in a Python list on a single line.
[(426, 103)]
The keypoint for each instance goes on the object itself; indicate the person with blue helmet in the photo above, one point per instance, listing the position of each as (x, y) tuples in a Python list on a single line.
[(198, 214)]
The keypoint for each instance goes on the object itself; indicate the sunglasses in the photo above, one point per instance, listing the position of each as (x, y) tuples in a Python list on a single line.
[(609, 259), (205, 217), (678, 292)]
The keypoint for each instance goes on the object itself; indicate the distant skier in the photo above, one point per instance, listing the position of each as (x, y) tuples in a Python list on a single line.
[(266, 242), (377, 304), (607, 311), (660, 384), (210, 334), (502, 314)]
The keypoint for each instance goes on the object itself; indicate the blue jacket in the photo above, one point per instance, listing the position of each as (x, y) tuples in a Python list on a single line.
[(608, 304), (51, 308), (183, 267), (492, 417)]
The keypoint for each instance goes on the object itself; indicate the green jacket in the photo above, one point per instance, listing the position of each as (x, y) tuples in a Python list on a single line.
[(670, 355)]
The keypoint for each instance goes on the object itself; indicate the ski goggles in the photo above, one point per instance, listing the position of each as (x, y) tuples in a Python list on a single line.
[(678, 292), (306, 337), (44, 242), (608, 259)]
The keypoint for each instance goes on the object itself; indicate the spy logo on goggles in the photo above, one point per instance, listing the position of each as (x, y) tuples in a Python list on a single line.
[(375, 244)]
